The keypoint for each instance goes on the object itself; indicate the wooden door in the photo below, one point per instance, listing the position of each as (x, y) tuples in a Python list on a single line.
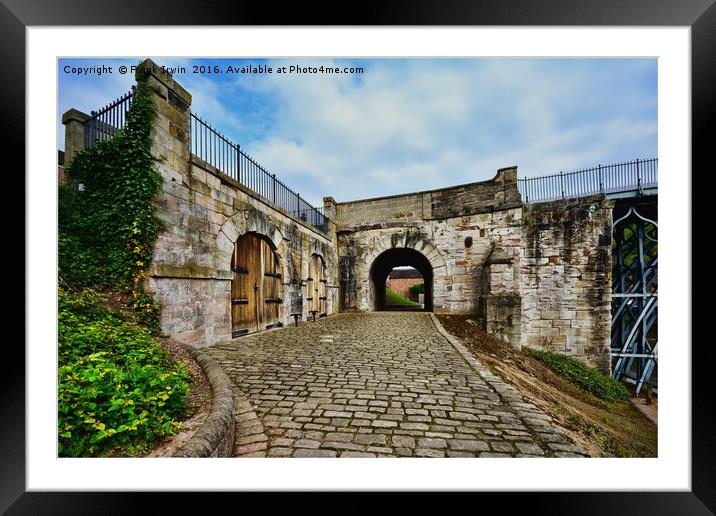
[(316, 285), (255, 287), (271, 291)]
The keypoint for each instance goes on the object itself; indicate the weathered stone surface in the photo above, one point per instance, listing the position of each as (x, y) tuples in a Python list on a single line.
[(565, 279)]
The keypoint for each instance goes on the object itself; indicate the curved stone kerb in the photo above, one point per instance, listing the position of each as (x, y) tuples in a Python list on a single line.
[(215, 438), (240, 223), (401, 240)]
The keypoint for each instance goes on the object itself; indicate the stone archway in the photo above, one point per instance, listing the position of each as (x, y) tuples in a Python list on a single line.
[(409, 246), (384, 264), (242, 224)]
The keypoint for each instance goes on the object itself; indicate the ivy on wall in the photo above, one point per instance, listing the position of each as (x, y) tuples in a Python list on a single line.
[(107, 221)]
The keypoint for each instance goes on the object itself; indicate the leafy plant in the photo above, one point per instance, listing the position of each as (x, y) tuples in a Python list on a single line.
[(588, 378), (393, 298), (117, 387), (417, 289)]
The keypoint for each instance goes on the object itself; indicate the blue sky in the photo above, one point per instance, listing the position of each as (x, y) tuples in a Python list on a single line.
[(409, 124)]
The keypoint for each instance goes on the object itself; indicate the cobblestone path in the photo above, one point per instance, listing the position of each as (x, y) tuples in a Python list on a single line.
[(385, 384)]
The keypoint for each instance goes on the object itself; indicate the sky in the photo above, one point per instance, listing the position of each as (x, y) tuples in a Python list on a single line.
[(405, 125)]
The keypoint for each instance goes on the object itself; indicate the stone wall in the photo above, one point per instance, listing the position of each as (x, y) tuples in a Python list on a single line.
[(535, 275), (205, 212), (498, 193), (565, 279)]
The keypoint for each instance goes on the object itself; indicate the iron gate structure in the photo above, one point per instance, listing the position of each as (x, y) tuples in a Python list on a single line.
[(635, 301)]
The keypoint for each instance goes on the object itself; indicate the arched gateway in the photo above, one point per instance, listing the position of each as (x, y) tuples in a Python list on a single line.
[(384, 264), (392, 250)]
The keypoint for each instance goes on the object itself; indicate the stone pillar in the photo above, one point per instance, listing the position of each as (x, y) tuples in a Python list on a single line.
[(507, 178), (171, 133), (501, 306), (74, 122), (330, 210)]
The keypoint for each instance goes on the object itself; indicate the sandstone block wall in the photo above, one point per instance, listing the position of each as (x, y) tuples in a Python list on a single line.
[(205, 212), (535, 275), (498, 193), (455, 246), (565, 279)]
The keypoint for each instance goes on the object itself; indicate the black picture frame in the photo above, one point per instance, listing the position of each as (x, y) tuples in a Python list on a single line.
[(700, 15)]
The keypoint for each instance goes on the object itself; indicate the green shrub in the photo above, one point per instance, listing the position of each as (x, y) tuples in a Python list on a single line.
[(586, 377), (117, 387), (417, 289)]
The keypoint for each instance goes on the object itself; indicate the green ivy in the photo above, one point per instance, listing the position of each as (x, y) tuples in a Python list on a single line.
[(417, 289), (107, 227)]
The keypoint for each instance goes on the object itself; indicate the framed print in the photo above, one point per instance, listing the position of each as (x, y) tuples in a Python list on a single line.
[(296, 205)]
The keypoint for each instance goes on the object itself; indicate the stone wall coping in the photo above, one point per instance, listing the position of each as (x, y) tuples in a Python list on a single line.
[(74, 114), (368, 226), (163, 76), (216, 436), (227, 179), (444, 189)]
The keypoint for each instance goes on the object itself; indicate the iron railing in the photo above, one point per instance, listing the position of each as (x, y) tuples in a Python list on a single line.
[(216, 149), (631, 176), (106, 123)]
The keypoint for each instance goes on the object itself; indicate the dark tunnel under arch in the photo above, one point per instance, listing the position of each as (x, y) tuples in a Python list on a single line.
[(395, 257)]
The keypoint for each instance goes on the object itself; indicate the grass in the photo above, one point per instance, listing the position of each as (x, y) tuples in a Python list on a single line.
[(393, 298), (587, 378)]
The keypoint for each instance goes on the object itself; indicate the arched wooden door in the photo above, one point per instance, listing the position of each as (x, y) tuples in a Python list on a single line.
[(255, 287), (316, 286)]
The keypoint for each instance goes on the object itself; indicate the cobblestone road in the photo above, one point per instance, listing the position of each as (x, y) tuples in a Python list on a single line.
[(382, 384)]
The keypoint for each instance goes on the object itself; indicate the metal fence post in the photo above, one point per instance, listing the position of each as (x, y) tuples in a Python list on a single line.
[(238, 162), (601, 184), (561, 183), (638, 177), (274, 188)]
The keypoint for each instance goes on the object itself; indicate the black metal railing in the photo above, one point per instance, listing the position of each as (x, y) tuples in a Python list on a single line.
[(217, 150), (106, 123), (630, 176)]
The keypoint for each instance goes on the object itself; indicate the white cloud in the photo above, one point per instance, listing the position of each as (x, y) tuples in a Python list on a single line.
[(422, 125)]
